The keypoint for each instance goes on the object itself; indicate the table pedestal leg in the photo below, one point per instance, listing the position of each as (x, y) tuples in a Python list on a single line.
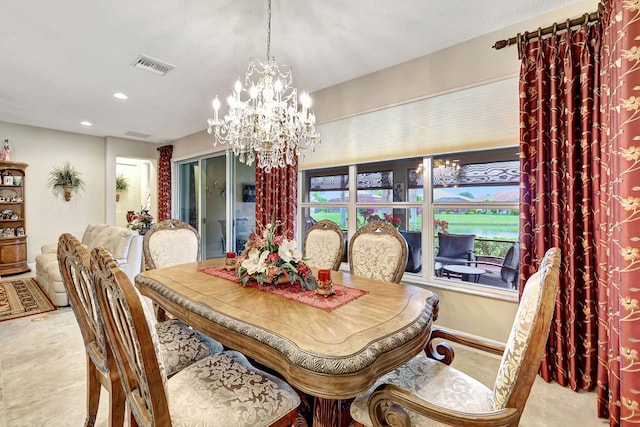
[(331, 412)]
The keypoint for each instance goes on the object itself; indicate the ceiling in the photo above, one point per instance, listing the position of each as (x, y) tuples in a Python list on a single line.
[(61, 60)]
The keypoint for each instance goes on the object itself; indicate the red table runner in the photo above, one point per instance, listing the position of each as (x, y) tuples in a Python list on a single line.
[(294, 292)]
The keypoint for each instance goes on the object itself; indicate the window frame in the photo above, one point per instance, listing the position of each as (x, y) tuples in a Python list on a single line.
[(427, 275)]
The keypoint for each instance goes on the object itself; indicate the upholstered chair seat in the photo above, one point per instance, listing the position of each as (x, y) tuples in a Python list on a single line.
[(378, 251), (324, 245), (226, 390), (427, 392), (223, 389), (434, 382)]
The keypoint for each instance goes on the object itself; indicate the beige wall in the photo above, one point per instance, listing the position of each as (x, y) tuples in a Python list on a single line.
[(458, 68), (49, 215), (467, 65)]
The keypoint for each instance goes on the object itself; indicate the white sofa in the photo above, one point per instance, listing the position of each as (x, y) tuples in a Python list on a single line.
[(125, 245)]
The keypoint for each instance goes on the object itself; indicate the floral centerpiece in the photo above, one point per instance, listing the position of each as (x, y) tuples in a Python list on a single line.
[(271, 258), (141, 221)]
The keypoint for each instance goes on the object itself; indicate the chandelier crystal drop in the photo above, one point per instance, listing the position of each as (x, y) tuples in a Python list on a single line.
[(266, 123)]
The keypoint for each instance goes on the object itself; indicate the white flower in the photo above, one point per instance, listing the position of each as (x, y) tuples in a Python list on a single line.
[(256, 261), (266, 231), (288, 251)]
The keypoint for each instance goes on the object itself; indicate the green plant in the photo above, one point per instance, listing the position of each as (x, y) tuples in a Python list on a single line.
[(65, 176), (122, 183)]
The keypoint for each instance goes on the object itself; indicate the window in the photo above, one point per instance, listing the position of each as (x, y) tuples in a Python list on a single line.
[(473, 194)]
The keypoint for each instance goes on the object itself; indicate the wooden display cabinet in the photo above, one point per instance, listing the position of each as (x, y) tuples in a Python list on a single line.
[(13, 236)]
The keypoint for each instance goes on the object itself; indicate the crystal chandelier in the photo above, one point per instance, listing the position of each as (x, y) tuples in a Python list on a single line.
[(265, 122)]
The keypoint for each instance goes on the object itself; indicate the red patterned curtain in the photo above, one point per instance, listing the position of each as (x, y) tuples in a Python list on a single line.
[(164, 182), (618, 211), (276, 197), (580, 192)]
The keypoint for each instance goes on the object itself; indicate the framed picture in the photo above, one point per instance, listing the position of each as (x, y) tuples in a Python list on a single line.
[(248, 193), (8, 180), (17, 180)]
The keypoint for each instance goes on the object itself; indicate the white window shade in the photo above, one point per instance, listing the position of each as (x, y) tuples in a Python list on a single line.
[(484, 116)]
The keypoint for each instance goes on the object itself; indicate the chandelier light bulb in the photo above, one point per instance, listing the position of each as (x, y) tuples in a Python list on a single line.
[(305, 100)]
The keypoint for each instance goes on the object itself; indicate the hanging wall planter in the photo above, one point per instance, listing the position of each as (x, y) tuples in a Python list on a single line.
[(65, 178), (122, 184)]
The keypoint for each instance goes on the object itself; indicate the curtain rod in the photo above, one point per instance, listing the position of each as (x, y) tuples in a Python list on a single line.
[(583, 20)]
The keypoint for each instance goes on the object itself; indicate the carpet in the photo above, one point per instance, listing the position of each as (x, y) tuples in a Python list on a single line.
[(24, 297)]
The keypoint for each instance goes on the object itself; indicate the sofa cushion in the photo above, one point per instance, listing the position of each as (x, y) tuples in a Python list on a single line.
[(114, 239), (91, 233), (119, 242), (49, 248)]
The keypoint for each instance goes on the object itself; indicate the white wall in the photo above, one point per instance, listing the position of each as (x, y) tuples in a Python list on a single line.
[(119, 147), (49, 215)]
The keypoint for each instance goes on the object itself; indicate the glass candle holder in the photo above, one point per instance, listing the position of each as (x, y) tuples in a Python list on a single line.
[(230, 261), (325, 285)]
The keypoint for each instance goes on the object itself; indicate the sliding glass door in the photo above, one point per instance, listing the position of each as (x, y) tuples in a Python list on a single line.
[(216, 195)]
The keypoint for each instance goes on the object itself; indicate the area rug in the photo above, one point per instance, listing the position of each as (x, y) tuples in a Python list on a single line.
[(342, 294), (24, 297)]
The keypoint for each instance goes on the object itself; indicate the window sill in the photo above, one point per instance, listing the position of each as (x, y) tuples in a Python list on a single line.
[(466, 288)]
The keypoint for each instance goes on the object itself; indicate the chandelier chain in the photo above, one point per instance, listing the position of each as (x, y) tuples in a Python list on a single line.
[(269, 30)]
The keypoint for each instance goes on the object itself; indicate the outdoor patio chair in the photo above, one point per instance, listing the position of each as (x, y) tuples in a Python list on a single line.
[(509, 269), (414, 245), (455, 248)]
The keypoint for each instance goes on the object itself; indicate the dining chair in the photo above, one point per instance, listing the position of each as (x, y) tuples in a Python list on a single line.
[(427, 392), (223, 389), (179, 345), (324, 245), (378, 251), (170, 242)]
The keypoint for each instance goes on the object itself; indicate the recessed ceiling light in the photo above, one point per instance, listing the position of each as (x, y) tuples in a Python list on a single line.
[(86, 123), (120, 95)]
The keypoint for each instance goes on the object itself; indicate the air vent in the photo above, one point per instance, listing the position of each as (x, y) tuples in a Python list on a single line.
[(137, 134), (152, 65)]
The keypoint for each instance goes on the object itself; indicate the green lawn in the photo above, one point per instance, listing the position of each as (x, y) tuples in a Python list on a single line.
[(486, 226)]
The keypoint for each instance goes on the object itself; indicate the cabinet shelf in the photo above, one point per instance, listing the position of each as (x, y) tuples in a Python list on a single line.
[(13, 248)]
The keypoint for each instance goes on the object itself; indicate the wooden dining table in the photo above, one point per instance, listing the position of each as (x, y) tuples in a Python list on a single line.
[(332, 355)]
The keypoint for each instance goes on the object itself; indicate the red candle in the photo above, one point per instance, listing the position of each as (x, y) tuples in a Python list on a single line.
[(231, 254), (324, 275)]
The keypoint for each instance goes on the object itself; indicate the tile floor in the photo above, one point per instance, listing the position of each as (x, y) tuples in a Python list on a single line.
[(42, 379)]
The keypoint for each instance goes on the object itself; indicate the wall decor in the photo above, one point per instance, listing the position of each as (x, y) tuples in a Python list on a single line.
[(65, 178)]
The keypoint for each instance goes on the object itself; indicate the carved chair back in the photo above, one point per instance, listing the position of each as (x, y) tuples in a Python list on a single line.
[(170, 242), (324, 245), (74, 261), (377, 250)]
